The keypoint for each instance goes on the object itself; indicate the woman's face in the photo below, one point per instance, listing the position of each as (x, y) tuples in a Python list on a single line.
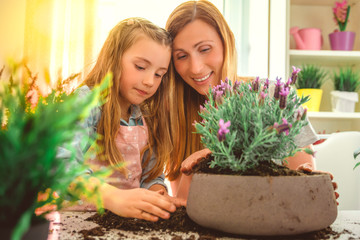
[(198, 54)]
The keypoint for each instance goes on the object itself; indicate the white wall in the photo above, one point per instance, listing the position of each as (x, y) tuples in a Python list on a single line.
[(12, 19), (249, 22), (278, 39), (247, 18)]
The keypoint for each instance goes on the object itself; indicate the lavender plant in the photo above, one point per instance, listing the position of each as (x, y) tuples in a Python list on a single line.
[(244, 126)]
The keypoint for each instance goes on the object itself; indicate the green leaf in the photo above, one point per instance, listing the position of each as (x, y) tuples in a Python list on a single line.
[(23, 224)]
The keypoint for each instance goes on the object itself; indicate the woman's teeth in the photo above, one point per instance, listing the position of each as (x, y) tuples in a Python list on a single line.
[(202, 79)]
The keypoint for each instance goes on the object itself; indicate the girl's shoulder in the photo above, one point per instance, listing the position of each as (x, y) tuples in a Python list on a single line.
[(82, 91), (95, 113)]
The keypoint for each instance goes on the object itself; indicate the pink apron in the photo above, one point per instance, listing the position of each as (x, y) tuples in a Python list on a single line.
[(130, 140)]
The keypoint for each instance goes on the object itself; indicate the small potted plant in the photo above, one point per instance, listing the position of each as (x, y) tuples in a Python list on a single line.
[(356, 154), (345, 95), (32, 128), (341, 39), (249, 134), (310, 80)]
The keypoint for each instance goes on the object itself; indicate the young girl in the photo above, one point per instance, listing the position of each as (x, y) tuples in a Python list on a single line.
[(132, 123), (203, 54)]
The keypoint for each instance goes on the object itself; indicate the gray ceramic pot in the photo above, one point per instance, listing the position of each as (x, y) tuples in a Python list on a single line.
[(254, 205)]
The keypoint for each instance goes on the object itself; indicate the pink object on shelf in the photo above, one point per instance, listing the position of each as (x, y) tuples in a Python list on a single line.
[(307, 38), (342, 40)]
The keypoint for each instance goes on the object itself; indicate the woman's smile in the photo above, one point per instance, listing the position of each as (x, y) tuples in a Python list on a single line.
[(203, 78)]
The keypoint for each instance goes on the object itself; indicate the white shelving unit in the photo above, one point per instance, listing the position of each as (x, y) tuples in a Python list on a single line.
[(318, 14), (330, 122), (325, 57), (319, 2)]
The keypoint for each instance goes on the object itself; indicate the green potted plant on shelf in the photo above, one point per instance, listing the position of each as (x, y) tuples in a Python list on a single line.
[(310, 80), (356, 154), (341, 39), (32, 128), (250, 133), (346, 85)]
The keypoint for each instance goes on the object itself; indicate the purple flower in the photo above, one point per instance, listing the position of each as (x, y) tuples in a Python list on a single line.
[(218, 96), (283, 96), (266, 84), (255, 84), (262, 97), (236, 85), (278, 87), (220, 90), (223, 129), (284, 127), (294, 74)]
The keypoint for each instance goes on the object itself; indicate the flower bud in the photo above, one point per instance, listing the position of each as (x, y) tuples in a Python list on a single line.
[(278, 88), (283, 97)]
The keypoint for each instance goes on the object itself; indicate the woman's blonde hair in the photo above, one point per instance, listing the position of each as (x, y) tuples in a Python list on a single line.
[(121, 38), (185, 101)]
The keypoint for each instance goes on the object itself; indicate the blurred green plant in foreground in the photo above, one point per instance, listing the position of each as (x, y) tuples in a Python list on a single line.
[(32, 128)]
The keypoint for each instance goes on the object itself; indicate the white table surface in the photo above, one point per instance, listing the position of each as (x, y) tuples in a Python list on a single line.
[(65, 226)]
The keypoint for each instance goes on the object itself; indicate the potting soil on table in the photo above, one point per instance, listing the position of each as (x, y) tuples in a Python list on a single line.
[(180, 222)]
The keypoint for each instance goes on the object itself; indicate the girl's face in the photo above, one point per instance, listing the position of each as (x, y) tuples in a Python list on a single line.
[(198, 54), (143, 66)]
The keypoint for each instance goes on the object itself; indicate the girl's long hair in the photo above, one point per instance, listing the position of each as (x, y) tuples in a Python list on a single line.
[(184, 100), (121, 38)]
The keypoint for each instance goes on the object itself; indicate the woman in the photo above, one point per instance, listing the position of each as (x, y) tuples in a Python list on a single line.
[(203, 54)]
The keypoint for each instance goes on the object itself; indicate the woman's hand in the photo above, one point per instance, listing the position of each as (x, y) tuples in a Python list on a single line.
[(137, 203), (308, 168), (194, 159)]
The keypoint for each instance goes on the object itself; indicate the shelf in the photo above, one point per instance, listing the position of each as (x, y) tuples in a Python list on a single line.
[(331, 122), (318, 13), (319, 2), (328, 57), (334, 115)]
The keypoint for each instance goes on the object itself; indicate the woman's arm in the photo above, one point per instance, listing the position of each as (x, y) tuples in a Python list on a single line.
[(301, 159), (180, 187)]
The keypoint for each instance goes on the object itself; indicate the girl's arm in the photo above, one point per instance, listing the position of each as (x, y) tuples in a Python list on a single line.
[(135, 203), (158, 184), (160, 180)]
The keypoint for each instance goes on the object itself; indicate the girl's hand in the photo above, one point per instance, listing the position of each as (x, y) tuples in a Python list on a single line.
[(194, 159), (137, 203), (161, 190), (308, 168)]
